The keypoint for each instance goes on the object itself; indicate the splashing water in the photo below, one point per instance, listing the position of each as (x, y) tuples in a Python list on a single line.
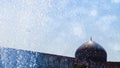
[(12, 58), (22, 23)]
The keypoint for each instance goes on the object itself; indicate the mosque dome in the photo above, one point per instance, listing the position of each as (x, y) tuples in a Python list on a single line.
[(91, 51)]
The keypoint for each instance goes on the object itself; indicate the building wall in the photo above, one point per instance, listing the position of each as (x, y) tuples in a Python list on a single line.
[(13, 58), (98, 65)]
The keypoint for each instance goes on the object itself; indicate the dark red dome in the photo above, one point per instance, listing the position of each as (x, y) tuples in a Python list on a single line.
[(91, 51)]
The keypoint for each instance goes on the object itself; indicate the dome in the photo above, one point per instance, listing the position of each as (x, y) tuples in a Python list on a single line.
[(91, 51)]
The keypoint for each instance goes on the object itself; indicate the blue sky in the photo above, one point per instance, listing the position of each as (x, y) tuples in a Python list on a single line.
[(60, 26)]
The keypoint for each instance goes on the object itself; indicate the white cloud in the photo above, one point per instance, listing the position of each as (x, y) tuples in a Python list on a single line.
[(78, 11), (116, 1), (105, 22), (116, 47), (78, 30), (93, 13), (113, 56)]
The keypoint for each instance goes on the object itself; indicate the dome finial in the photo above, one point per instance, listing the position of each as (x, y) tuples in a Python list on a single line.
[(90, 38)]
